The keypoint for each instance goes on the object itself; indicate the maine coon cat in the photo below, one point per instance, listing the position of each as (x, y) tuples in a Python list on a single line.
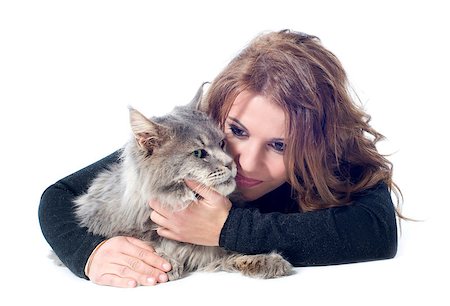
[(184, 144)]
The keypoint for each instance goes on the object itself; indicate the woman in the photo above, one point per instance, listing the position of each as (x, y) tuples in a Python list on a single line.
[(317, 189)]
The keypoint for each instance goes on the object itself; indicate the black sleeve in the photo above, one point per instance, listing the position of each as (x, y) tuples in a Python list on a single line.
[(73, 244), (365, 230)]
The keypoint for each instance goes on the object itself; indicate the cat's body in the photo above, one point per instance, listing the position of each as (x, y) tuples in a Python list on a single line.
[(164, 151)]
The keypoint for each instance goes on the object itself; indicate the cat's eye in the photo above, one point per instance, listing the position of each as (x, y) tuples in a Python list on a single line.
[(222, 144), (200, 153)]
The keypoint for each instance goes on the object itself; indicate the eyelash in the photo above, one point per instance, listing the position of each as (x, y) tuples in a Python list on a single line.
[(278, 150), (239, 133)]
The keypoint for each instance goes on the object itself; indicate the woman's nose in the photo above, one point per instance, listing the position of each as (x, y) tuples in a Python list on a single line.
[(249, 159)]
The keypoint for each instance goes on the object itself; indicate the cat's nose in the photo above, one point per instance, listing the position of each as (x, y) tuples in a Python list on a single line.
[(232, 167), (229, 165), (228, 162)]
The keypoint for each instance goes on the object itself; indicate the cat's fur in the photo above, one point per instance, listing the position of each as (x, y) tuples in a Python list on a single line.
[(161, 154)]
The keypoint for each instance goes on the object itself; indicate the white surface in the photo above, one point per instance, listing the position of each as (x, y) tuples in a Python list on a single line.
[(68, 70)]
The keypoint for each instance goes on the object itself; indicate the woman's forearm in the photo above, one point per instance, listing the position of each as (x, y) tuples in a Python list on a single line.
[(363, 231), (72, 243)]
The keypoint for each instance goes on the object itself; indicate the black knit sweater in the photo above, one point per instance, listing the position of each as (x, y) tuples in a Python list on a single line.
[(365, 230)]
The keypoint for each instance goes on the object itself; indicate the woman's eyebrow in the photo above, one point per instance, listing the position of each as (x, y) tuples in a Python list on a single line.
[(237, 121), (276, 139)]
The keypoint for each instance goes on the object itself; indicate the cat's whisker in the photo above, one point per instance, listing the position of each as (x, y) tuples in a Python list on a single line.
[(202, 189), (218, 176)]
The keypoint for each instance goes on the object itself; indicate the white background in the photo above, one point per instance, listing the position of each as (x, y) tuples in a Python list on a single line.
[(69, 69)]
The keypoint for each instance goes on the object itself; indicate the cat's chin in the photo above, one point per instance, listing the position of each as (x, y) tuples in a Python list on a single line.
[(225, 188), (185, 196)]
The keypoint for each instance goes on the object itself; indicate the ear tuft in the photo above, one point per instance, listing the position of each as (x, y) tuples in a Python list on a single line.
[(149, 134), (198, 103)]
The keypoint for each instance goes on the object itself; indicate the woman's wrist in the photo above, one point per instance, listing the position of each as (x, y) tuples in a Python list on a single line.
[(89, 261)]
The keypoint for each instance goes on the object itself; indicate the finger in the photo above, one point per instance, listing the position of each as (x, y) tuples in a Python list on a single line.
[(209, 194), (149, 278), (144, 252), (164, 232), (156, 206), (159, 219), (115, 281)]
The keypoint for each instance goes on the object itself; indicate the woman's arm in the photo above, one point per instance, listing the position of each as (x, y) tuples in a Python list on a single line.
[(119, 261), (365, 230), (72, 243)]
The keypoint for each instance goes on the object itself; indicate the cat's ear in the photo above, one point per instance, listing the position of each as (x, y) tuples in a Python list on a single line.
[(149, 134), (198, 103)]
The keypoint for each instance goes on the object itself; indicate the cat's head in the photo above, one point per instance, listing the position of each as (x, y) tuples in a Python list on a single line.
[(184, 144)]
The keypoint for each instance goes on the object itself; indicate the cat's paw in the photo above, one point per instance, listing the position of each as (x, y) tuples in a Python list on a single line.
[(263, 266), (176, 272)]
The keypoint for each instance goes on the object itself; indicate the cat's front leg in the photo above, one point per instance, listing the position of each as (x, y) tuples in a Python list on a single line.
[(258, 266)]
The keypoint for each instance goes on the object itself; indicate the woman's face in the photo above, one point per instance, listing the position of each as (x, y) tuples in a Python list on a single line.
[(255, 133)]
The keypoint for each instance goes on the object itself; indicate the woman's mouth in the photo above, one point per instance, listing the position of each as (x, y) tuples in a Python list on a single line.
[(246, 182)]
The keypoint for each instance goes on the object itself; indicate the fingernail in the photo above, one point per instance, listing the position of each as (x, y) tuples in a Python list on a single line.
[(131, 283), (166, 267), (163, 278), (151, 281)]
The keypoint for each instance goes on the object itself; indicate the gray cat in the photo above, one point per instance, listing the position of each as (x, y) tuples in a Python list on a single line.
[(185, 144)]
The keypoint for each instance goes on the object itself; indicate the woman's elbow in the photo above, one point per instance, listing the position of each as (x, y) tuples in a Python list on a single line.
[(391, 245), (387, 240)]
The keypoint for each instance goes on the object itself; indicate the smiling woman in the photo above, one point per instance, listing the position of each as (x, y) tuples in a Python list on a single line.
[(257, 148)]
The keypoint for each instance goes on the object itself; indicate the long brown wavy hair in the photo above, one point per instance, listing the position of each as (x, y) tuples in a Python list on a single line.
[(331, 148)]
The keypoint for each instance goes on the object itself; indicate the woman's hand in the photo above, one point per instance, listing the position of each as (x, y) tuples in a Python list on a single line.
[(126, 262), (200, 223)]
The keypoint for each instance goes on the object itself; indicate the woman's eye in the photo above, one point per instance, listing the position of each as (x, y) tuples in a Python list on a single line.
[(237, 131), (200, 153), (278, 146)]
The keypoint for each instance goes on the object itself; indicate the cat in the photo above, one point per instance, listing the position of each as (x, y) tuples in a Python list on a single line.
[(162, 152)]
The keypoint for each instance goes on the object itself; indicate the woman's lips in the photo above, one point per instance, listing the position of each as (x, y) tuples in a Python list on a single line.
[(246, 182)]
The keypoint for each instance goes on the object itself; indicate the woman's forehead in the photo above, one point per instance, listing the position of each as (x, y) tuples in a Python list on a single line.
[(258, 112)]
